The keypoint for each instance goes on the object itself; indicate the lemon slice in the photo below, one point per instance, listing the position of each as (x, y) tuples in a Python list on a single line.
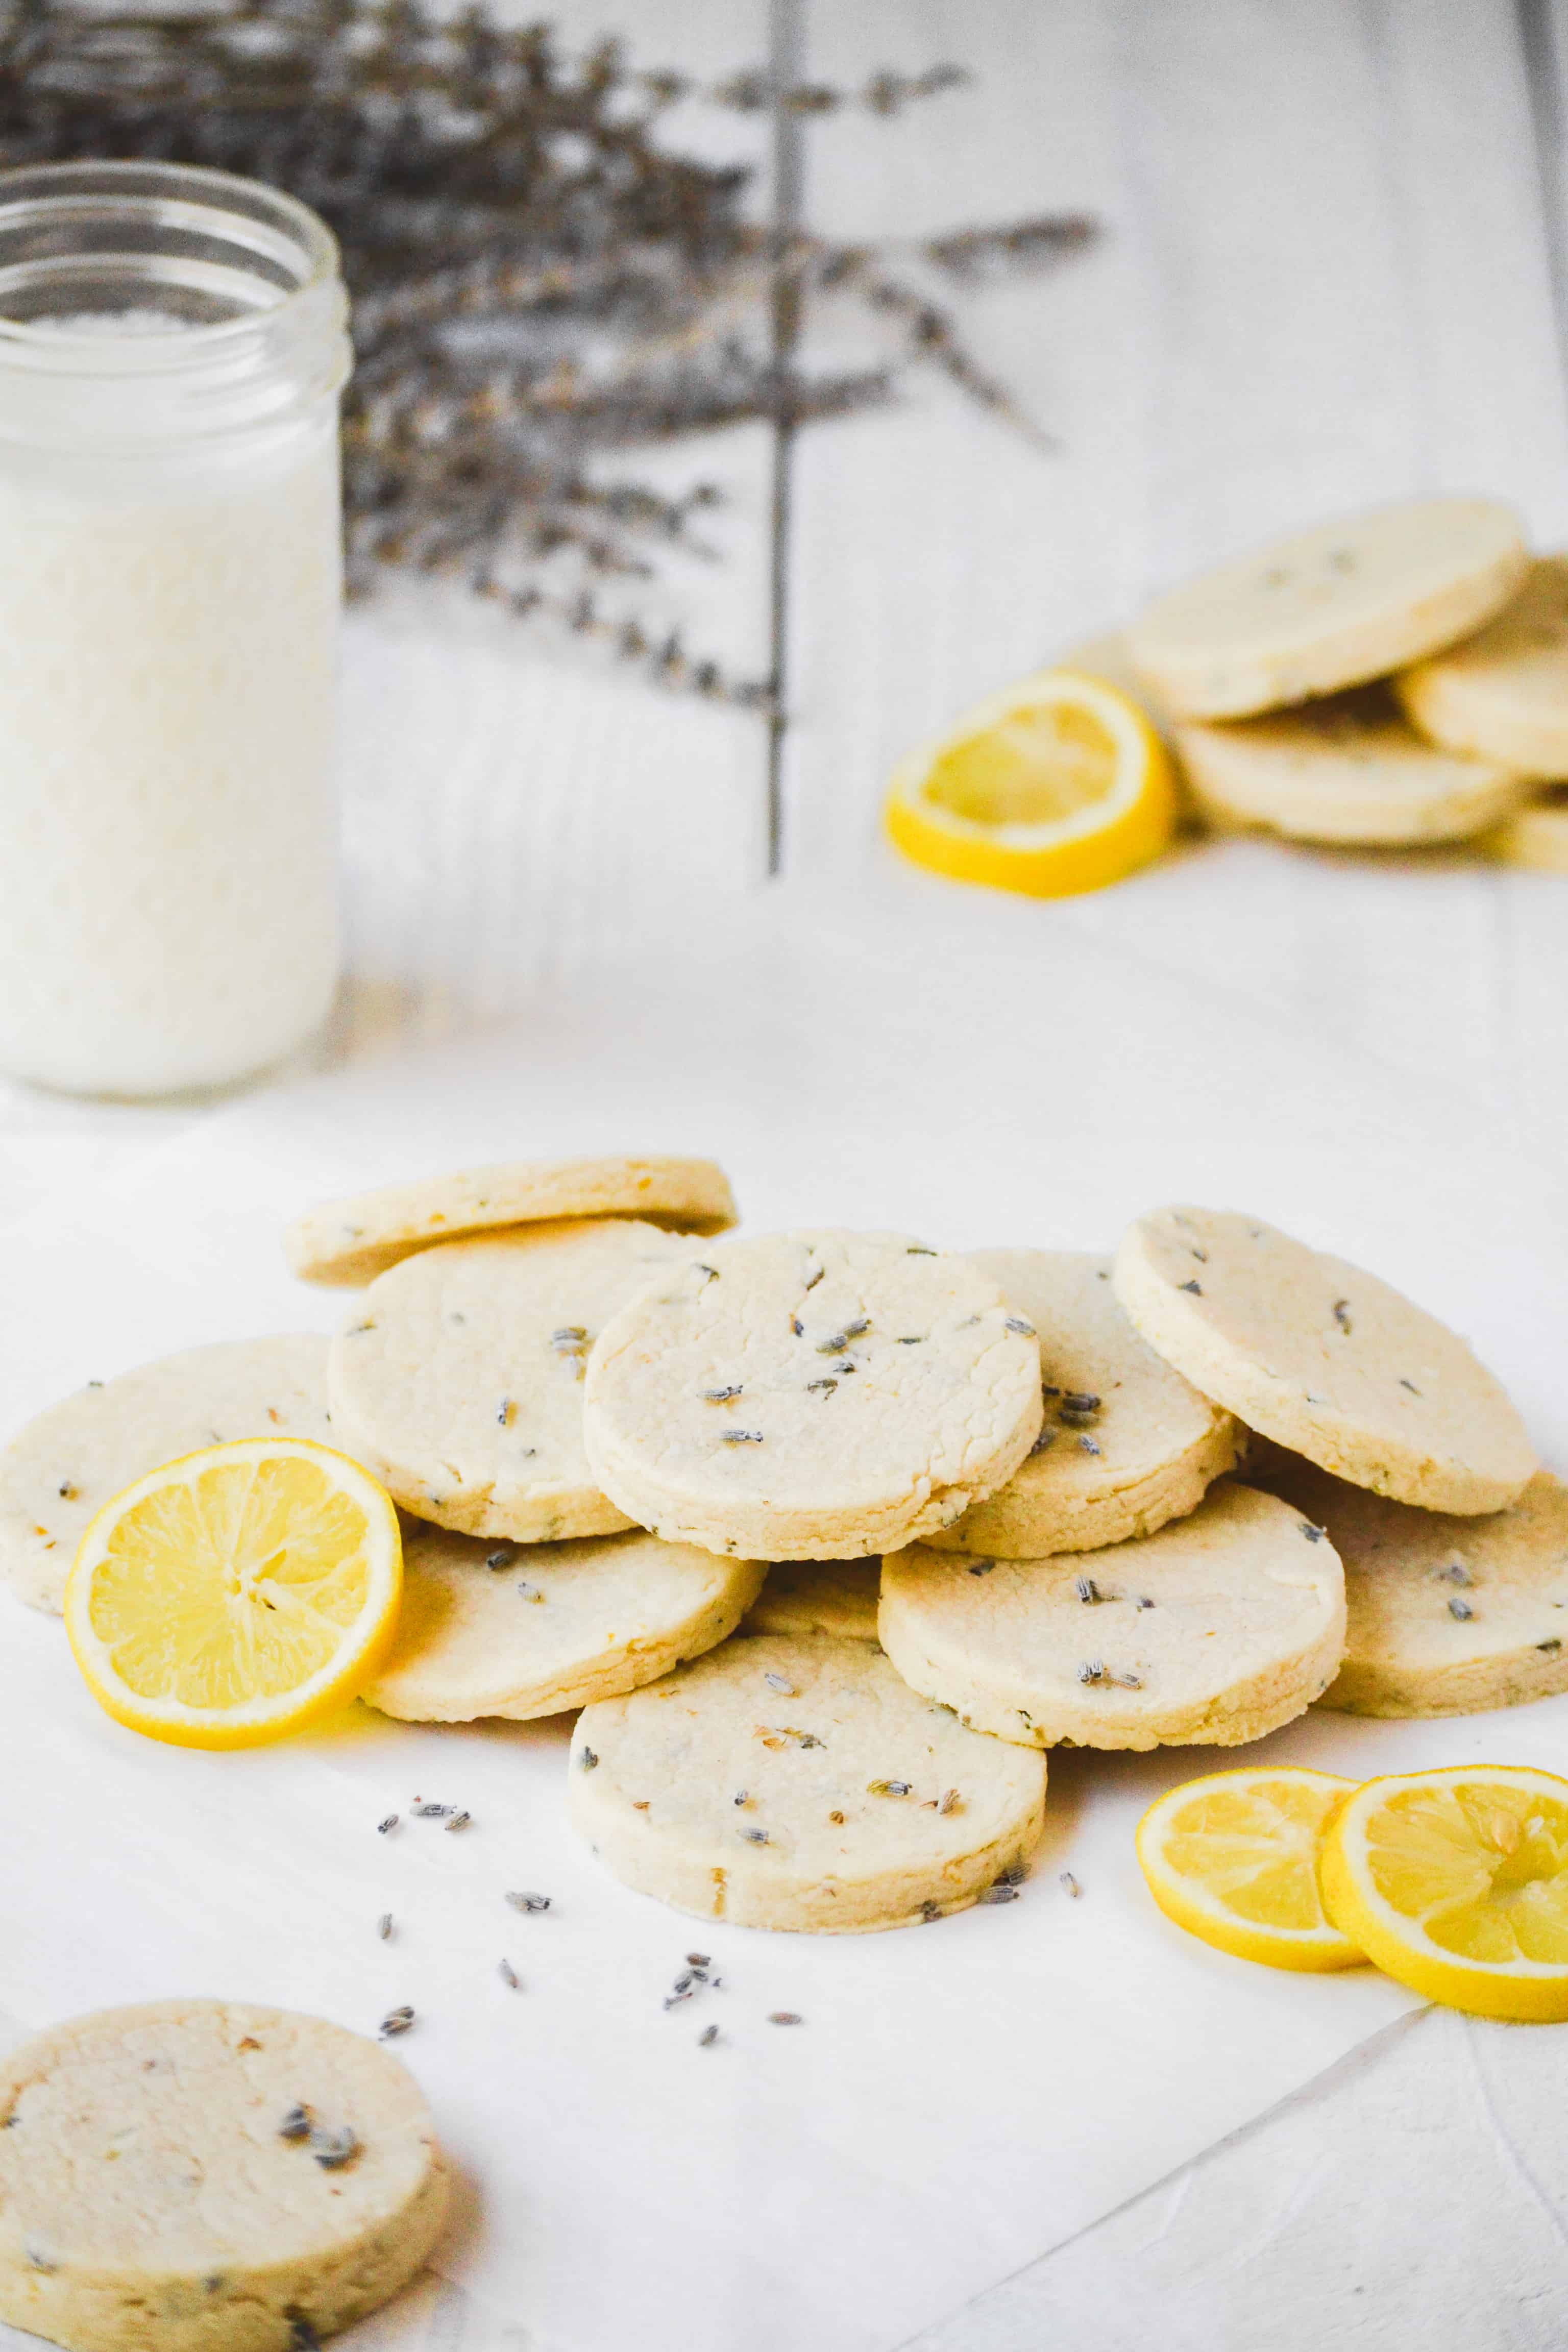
[(1233, 1858), (1058, 785), (235, 1594), (1455, 1882)]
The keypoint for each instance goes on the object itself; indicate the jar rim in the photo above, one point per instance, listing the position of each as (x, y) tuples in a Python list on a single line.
[(281, 231)]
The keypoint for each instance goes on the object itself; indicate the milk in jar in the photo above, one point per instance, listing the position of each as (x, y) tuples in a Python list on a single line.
[(172, 346)]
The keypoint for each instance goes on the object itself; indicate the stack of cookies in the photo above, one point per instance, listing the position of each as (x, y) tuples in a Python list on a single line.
[(829, 1535), (1392, 678)]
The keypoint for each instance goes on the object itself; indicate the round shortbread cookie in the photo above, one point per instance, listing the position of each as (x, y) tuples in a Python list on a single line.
[(459, 1379), (1443, 1615), (197, 2176), (69, 1462), (350, 1242), (798, 1783), (818, 1596), (1323, 1358), (1223, 1626), (1128, 1444), (1503, 694), (493, 1629), (1329, 607), (1349, 770), (1535, 835), (811, 1396)]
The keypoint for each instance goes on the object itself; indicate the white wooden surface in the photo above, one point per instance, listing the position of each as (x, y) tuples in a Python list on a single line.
[(1326, 277)]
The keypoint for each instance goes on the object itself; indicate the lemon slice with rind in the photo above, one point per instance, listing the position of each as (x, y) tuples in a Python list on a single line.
[(1060, 785), (1233, 1859), (235, 1594), (1455, 1883)]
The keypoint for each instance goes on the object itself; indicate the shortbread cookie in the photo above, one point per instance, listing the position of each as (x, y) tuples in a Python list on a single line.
[(1350, 769), (63, 1466), (521, 1630), (798, 1783), (1445, 1615), (1503, 694), (1323, 1358), (350, 1242), (1223, 1626), (818, 1596), (197, 2176), (811, 1396), (459, 1379), (1535, 835), (1128, 1444), (1329, 607)]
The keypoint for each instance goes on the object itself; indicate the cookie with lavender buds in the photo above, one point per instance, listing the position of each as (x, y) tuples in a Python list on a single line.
[(65, 1464), (350, 1242), (837, 1597), (796, 1782), (1329, 607), (1127, 1443), (1350, 769), (1219, 1629), (196, 2173), (1445, 1615), (522, 1630), (458, 1379), (1323, 1358), (815, 1395)]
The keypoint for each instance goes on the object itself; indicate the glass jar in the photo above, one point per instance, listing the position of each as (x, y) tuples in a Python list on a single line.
[(172, 343)]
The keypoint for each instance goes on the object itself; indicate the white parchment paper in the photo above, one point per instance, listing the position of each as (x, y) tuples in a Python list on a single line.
[(958, 2099)]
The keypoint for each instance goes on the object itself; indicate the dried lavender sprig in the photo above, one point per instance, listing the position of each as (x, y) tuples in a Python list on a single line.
[(482, 182)]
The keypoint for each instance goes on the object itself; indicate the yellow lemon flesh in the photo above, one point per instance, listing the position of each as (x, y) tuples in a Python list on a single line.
[(1233, 1859), (235, 1594), (1455, 1883), (1058, 785)]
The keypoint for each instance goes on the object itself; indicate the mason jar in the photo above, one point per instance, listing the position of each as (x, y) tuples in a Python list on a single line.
[(173, 344)]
